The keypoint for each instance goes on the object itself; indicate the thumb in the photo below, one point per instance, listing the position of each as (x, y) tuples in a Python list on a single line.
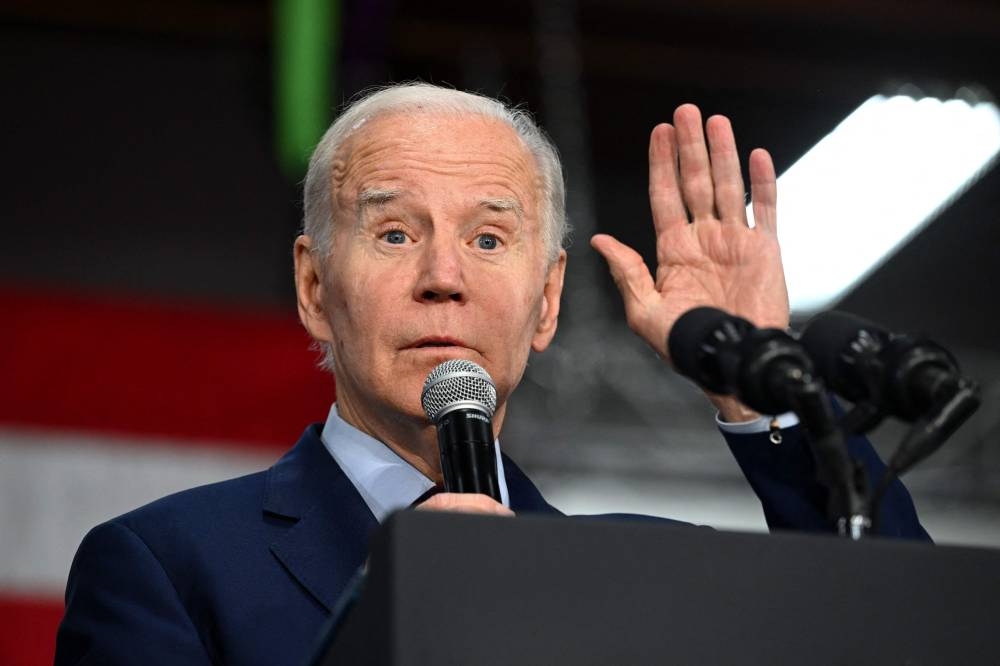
[(628, 270)]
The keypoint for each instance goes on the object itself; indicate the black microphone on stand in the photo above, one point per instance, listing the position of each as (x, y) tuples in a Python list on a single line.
[(905, 376), (459, 397), (728, 355), (770, 372), (885, 373)]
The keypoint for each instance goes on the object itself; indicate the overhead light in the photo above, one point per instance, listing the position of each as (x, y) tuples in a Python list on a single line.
[(871, 184)]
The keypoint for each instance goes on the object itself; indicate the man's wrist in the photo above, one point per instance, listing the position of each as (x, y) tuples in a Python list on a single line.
[(732, 410)]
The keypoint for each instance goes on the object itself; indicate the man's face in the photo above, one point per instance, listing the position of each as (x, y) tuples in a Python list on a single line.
[(436, 254)]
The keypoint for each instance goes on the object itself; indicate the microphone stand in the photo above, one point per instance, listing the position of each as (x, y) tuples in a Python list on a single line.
[(927, 434), (776, 375), (844, 478)]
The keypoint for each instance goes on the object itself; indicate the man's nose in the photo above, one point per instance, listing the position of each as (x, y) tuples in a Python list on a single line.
[(441, 275)]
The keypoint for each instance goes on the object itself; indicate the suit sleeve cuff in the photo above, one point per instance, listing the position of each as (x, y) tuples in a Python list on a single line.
[(758, 425)]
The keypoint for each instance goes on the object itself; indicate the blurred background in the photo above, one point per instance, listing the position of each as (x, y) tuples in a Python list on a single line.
[(151, 166)]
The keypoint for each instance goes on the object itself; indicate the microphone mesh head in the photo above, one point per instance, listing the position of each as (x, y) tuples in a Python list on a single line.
[(458, 383)]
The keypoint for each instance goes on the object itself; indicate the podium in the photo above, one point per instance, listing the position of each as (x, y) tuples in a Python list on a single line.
[(476, 590)]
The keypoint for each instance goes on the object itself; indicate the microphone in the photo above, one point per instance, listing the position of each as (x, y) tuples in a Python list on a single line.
[(770, 372), (904, 376), (727, 354), (459, 397), (913, 379)]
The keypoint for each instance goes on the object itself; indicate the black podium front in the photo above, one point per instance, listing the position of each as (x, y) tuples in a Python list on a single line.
[(457, 589)]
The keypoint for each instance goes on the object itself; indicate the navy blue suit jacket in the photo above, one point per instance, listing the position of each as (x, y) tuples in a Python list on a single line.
[(246, 571)]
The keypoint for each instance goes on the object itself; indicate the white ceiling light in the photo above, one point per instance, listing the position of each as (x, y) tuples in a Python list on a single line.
[(871, 184)]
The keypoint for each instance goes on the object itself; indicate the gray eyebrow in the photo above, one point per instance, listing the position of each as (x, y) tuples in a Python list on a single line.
[(376, 197), (501, 204)]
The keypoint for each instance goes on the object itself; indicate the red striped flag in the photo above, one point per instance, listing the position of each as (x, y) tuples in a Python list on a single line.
[(108, 403)]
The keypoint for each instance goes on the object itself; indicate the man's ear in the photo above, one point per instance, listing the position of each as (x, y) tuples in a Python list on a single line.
[(309, 290), (551, 298)]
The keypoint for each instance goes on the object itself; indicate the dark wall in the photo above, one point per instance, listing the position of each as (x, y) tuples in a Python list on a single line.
[(142, 163), (140, 157)]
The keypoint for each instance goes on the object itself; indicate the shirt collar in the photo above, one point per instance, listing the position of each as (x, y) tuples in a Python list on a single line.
[(385, 481)]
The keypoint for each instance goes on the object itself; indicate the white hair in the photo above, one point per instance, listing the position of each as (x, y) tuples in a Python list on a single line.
[(318, 191)]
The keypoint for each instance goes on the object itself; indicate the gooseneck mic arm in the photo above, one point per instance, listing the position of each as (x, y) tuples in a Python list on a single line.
[(926, 435), (843, 477)]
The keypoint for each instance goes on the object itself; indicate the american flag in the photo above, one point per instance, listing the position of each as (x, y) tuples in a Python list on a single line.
[(107, 403)]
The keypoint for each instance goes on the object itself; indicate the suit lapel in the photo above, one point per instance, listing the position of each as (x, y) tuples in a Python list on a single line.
[(329, 538), (331, 524), (524, 496)]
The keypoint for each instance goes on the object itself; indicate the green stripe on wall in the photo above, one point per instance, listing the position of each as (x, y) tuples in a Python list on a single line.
[(306, 38)]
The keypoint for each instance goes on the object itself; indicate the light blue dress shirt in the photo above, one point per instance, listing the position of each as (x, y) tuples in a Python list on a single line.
[(385, 481), (388, 483), (762, 424)]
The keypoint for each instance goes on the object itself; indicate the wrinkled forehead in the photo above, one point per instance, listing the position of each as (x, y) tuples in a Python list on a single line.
[(434, 143)]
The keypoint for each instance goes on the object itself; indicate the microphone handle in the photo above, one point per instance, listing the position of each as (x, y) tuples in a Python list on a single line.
[(468, 453)]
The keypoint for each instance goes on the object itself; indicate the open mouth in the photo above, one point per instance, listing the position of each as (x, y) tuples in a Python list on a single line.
[(430, 343)]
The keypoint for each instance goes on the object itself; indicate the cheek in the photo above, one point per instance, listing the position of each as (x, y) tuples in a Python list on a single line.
[(365, 306), (350, 305), (527, 301), (515, 320)]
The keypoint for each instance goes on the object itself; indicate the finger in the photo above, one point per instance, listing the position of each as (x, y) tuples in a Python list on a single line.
[(465, 503), (730, 195), (695, 168), (628, 270), (665, 199), (764, 190)]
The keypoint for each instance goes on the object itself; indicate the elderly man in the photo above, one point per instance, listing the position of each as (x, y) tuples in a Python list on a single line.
[(434, 221)]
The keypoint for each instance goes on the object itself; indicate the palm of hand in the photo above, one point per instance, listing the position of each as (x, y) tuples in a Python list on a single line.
[(715, 260), (732, 268)]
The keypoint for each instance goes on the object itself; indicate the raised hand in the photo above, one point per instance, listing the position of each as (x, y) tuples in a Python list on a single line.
[(706, 252)]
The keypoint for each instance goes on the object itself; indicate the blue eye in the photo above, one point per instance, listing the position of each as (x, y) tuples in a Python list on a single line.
[(395, 237), (487, 242)]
